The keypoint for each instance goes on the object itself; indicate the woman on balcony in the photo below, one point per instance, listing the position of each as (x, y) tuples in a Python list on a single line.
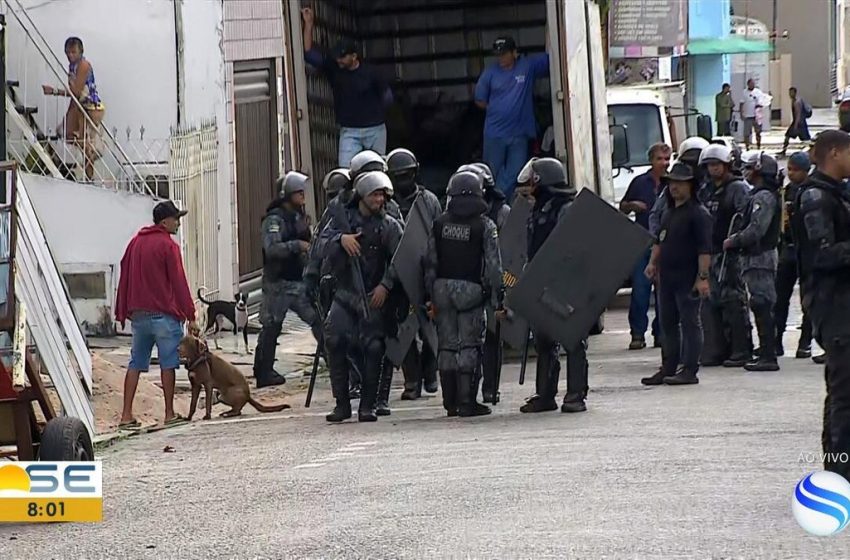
[(79, 130)]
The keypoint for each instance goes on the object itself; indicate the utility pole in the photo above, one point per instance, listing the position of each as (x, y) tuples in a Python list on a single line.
[(3, 108), (774, 32)]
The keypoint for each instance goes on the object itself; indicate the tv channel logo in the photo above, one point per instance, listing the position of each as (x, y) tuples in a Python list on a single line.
[(821, 503), (49, 491)]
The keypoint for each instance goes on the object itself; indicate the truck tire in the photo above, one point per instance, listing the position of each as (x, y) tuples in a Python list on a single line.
[(599, 326), (65, 439)]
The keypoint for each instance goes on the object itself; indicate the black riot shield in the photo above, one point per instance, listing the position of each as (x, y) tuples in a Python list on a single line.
[(578, 269), (513, 245), (408, 263)]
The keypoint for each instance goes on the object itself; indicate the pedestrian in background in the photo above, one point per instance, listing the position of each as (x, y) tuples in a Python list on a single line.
[(154, 295), (505, 91), (680, 261), (723, 106), (799, 127), (749, 108), (361, 95), (639, 199)]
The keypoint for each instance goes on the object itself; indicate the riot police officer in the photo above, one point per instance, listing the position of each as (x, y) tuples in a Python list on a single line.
[(786, 272), (286, 241), (419, 367), (726, 321), (821, 225), (757, 241), (497, 211), (369, 160), (552, 196), (359, 242), (463, 273)]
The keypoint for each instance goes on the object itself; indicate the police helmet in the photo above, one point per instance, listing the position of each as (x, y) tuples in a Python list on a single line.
[(483, 170), (371, 181), (465, 183), (292, 183), (716, 153), (336, 180), (692, 143), (401, 159), (367, 160), (762, 163), (543, 172)]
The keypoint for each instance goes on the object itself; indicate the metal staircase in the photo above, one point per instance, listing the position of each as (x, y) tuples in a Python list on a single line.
[(32, 140)]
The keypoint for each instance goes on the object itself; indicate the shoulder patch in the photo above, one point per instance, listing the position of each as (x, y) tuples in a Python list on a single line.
[(810, 198), (274, 227)]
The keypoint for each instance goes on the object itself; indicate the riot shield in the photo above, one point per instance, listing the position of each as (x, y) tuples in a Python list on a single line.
[(513, 246), (408, 263), (578, 269)]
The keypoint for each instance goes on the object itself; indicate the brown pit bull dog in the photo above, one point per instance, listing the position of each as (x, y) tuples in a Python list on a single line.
[(210, 371)]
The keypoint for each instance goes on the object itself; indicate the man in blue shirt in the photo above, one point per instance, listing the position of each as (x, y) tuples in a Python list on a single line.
[(639, 198), (361, 95), (505, 90)]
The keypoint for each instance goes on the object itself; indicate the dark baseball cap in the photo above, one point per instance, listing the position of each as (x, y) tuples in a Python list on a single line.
[(167, 209), (503, 45), (344, 47)]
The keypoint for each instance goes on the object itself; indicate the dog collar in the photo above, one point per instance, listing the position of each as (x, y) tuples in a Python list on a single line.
[(198, 361)]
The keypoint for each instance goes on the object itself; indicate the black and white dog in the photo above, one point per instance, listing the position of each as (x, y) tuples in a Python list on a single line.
[(227, 315)]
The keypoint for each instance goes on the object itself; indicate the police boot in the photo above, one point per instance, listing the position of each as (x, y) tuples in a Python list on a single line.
[(574, 402), (715, 350), (467, 393), (448, 383), (264, 356), (544, 399), (429, 370), (767, 332), (339, 387), (804, 346), (490, 361), (576, 379), (412, 372), (382, 406), (741, 342)]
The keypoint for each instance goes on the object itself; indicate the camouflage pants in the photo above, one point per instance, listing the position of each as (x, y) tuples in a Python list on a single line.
[(725, 317), (761, 284), (278, 298), (461, 322)]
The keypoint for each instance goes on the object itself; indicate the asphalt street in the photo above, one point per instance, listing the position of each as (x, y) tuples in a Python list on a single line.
[(704, 471)]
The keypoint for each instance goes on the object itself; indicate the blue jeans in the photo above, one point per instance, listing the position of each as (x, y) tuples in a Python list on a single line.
[(352, 141), (155, 328), (639, 304), (506, 157)]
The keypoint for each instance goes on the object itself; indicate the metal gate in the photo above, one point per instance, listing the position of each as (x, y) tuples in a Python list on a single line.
[(193, 183), (256, 155)]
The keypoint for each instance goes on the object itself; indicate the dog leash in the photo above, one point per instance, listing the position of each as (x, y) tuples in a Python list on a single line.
[(198, 361)]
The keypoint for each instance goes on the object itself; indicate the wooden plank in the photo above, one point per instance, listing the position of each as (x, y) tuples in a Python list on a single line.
[(56, 287), (19, 348), (40, 392), (23, 431), (48, 339), (30, 138)]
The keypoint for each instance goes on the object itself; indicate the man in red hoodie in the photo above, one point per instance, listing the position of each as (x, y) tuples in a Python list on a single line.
[(154, 294)]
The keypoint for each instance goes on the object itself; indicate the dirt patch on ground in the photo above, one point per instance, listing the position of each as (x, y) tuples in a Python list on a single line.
[(108, 379)]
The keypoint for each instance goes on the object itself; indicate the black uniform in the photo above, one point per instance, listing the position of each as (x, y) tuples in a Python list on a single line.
[(284, 230), (549, 208), (786, 277), (491, 360), (346, 326), (822, 230), (726, 319)]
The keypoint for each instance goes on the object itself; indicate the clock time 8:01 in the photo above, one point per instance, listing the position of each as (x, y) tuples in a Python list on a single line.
[(51, 509)]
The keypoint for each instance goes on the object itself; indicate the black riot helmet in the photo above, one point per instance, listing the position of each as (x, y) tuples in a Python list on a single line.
[(765, 165), (483, 170), (466, 194), (367, 160), (402, 167), (292, 183), (336, 180)]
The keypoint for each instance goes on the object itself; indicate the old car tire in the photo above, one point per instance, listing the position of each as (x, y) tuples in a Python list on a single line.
[(65, 439)]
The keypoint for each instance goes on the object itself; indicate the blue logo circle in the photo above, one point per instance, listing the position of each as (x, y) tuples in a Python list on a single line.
[(821, 503)]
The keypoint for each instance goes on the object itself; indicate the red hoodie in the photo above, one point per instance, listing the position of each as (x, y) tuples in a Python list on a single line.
[(152, 277)]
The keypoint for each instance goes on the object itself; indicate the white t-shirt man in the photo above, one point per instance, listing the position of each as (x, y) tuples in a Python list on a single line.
[(752, 97)]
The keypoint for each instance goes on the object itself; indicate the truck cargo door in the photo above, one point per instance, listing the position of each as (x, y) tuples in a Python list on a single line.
[(578, 94)]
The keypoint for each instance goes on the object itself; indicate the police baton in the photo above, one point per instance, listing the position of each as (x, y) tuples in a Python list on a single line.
[(722, 276), (524, 356), (320, 344)]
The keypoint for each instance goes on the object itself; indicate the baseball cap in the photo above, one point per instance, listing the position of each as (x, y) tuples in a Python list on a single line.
[(503, 45), (344, 47), (167, 209)]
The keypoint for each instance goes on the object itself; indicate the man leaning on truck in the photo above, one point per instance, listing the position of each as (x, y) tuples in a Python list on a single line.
[(361, 95), (505, 90)]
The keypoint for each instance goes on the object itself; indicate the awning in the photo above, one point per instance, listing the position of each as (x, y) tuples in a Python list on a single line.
[(733, 44)]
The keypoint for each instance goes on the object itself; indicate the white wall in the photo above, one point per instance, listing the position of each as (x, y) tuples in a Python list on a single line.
[(131, 45), (204, 98), (87, 229)]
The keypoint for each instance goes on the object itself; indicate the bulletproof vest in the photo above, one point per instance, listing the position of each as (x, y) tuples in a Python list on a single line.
[(373, 255), (543, 220), (840, 213), (770, 239), (294, 227), (460, 247), (789, 197), (720, 205)]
